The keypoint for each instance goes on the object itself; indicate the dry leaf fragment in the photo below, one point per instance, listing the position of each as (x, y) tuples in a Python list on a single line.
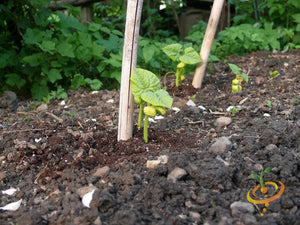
[(9, 191), (87, 198), (12, 206)]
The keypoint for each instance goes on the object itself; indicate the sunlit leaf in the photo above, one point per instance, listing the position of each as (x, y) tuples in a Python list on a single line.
[(143, 80), (235, 69), (190, 56), (158, 98), (268, 169), (173, 51), (66, 49), (254, 176)]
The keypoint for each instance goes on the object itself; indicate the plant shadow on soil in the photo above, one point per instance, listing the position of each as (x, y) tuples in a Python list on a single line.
[(59, 152)]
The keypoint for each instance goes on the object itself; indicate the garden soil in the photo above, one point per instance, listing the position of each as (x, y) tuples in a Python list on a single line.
[(66, 165)]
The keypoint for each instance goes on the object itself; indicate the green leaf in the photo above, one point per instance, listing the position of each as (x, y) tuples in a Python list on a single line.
[(94, 26), (85, 39), (116, 75), (66, 49), (268, 169), (47, 46), (235, 69), (101, 67), (173, 51), (148, 52), (14, 79), (77, 81), (39, 91), (296, 17), (68, 22), (143, 80), (117, 32), (190, 56), (54, 75), (95, 84), (158, 98), (245, 77), (33, 36), (97, 50), (83, 54), (33, 60), (254, 176), (114, 60)]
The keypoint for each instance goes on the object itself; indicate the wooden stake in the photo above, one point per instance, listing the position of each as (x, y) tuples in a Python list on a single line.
[(132, 27), (207, 42)]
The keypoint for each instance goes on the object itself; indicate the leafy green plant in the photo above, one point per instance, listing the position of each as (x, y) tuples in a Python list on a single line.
[(269, 104), (55, 52), (176, 54), (239, 78), (234, 110), (273, 74), (263, 188), (72, 114), (146, 89)]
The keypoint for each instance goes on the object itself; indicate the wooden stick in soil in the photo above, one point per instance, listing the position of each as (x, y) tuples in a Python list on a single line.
[(132, 27), (207, 42)]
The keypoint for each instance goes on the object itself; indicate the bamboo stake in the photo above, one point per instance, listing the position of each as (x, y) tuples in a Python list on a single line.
[(207, 42), (132, 27)]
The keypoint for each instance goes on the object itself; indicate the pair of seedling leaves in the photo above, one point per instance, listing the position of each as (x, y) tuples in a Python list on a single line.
[(146, 89), (184, 57), (239, 78), (263, 189)]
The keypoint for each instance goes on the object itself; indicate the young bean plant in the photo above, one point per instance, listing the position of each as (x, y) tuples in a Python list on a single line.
[(239, 78), (273, 74), (176, 54), (263, 188), (147, 92)]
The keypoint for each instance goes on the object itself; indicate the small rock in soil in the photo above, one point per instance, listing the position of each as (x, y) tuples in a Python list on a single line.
[(102, 172), (176, 174), (241, 207), (223, 121), (249, 219), (9, 101), (152, 163), (221, 145), (84, 190)]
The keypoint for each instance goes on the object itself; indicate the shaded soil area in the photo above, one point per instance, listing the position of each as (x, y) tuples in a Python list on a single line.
[(58, 155)]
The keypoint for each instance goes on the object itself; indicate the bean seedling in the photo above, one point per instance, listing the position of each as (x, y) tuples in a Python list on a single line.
[(234, 110), (263, 188), (269, 104), (239, 78), (190, 56), (273, 74), (146, 89)]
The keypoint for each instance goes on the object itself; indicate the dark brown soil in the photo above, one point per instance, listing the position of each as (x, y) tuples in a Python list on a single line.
[(49, 154)]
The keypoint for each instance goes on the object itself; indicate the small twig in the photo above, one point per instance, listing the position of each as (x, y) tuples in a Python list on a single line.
[(26, 130), (79, 124), (272, 78), (217, 113), (25, 113), (197, 122), (55, 117), (243, 101)]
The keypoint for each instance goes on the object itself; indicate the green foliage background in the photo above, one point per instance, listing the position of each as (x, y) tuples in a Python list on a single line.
[(44, 54)]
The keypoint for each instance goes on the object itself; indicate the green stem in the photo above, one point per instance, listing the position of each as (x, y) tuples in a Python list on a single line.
[(177, 78), (146, 129), (140, 116), (261, 181)]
